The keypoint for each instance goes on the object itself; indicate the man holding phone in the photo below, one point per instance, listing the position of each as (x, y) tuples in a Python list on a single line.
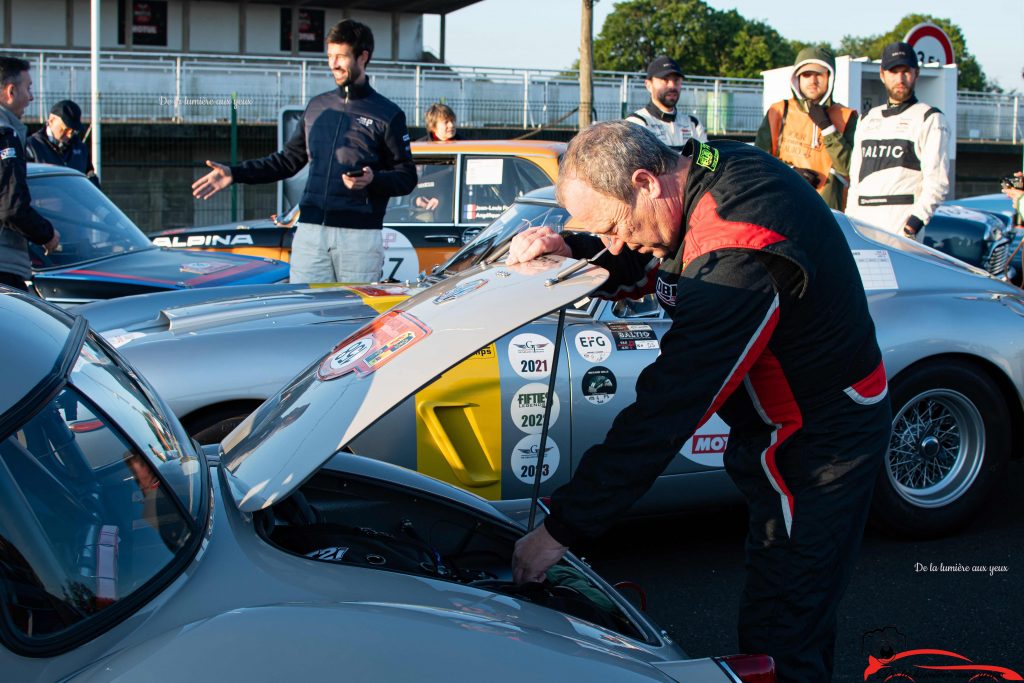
[(356, 143)]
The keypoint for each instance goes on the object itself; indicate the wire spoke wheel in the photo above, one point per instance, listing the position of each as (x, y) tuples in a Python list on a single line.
[(937, 448)]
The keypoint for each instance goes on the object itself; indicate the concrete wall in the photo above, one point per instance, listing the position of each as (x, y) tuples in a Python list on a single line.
[(213, 27), (38, 22)]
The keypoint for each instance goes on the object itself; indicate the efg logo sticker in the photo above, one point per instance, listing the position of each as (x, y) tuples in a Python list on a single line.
[(706, 157), (527, 408), (594, 346)]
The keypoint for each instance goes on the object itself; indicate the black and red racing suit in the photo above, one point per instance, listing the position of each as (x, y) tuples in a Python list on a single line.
[(770, 328)]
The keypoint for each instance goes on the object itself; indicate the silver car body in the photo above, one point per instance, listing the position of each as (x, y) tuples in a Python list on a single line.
[(245, 598), (475, 426)]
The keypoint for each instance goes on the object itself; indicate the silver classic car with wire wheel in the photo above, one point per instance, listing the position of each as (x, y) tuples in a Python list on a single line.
[(950, 334), (126, 553)]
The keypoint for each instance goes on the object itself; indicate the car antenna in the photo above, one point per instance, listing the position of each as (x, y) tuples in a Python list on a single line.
[(548, 401)]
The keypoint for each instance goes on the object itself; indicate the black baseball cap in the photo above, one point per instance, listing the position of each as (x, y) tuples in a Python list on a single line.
[(896, 54), (70, 113), (663, 66)]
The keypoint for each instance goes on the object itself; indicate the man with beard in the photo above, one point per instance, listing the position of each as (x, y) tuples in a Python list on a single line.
[(356, 143), (900, 169), (664, 80), (809, 131)]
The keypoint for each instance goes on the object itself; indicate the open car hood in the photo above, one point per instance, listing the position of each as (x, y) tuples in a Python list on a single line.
[(293, 433)]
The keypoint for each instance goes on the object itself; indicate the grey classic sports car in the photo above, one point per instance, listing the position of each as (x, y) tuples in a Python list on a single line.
[(127, 554), (949, 333)]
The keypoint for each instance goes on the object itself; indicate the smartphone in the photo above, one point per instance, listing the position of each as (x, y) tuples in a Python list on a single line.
[(358, 173)]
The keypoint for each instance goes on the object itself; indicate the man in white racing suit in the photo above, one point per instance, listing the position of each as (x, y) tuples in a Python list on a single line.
[(664, 82), (900, 169)]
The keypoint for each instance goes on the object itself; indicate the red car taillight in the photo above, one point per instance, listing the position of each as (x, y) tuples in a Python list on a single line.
[(750, 668)]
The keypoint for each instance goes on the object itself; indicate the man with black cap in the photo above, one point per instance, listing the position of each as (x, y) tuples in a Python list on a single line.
[(60, 142), (809, 131), (19, 222), (900, 169), (664, 80)]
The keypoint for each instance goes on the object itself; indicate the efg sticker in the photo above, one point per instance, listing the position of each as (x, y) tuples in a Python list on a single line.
[(633, 336), (531, 355), (594, 346), (599, 385), (459, 290), (524, 459), (527, 408), (375, 345)]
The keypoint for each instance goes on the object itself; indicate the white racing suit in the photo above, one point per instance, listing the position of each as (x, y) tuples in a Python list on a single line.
[(673, 129), (900, 169)]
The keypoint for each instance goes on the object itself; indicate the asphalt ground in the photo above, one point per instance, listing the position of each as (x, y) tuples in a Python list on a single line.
[(691, 567)]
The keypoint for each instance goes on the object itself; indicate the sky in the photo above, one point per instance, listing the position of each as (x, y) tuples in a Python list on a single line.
[(544, 34)]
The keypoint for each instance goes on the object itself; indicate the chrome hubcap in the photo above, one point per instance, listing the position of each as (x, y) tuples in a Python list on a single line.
[(936, 449)]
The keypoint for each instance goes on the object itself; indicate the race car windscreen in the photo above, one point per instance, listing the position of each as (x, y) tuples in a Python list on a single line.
[(90, 225), (519, 217)]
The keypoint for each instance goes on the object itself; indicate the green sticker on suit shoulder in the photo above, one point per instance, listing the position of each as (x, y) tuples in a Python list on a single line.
[(707, 157)]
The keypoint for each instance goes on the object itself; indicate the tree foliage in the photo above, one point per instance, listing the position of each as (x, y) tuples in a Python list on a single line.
[(704, 41), (710, 42), (971, 76)]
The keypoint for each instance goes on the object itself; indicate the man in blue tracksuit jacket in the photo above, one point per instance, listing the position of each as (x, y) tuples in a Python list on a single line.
[(356, 143), (770, 329)]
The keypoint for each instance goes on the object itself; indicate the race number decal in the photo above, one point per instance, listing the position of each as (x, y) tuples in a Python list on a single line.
[(528, 408), (594, 346), (524, 459), (531, 355), (373, 346)]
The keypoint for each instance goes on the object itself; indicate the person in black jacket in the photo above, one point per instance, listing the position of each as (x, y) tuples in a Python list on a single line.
[(60, 142), (19, 222), (770, 329), (357, 146)]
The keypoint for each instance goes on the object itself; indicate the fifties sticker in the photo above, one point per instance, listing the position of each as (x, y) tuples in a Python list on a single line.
[(527, 408)]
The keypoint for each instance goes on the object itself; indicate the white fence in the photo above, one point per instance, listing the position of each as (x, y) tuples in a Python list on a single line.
[(196, 88)]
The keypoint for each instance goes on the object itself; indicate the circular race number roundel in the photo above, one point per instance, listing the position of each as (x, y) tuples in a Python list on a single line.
[(524, 459), (530, 355), (347, 357), (528, 407)]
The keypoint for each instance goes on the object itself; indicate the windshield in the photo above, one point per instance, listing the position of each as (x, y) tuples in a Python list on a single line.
[(519, 217), (90, 225), (88, 512)]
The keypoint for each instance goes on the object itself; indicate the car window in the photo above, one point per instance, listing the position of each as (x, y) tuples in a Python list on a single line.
[(491, 184), (644, 307), (90, 225), (85, 521), (433, 200)]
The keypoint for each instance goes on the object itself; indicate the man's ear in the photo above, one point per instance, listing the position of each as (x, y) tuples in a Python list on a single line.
[(646, 182)]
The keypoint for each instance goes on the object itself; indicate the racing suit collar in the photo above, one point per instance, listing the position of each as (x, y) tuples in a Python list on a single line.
[(897, 109), (8, 118), (657, 113)]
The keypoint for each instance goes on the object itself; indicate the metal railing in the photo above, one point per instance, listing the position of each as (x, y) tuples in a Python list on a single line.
[(197, 88)]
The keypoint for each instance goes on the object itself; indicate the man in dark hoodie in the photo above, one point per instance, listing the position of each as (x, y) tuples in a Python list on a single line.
[(357, 146), (809, 131)]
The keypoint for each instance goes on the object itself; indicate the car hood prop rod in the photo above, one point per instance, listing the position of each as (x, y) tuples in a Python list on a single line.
[(549, 399)]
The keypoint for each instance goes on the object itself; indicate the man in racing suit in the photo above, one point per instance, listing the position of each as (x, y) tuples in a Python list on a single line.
[(900, 169), (19, 222), (663, 82), (357, 146), (770, 329), (809, 131)]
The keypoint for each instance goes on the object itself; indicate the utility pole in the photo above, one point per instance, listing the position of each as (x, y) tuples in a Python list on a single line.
[(586, 63)]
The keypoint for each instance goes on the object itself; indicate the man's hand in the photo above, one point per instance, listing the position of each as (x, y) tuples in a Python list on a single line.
[(534, 554), (213, 182), (535, 242), (359, 182), (819, 115), (427, 203), (53, 243), (1014, 194)]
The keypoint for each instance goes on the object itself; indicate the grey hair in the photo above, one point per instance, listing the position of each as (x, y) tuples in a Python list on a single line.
[(606, 154)]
